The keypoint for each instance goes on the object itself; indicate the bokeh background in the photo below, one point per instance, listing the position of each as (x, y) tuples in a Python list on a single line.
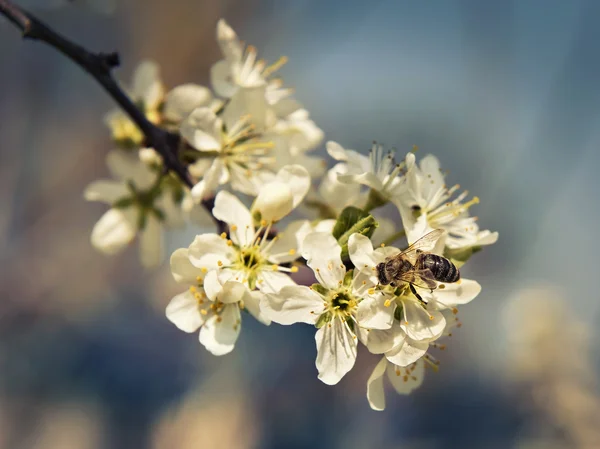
[(505, 93)]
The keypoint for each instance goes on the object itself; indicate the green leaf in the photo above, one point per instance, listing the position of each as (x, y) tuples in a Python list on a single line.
[(460, 256), (352, 220), (122, 203)]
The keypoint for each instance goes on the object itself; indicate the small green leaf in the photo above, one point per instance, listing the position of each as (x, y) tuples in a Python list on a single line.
[(319, 289), (348, 218), (460, 256), (353, 220), (323, 320)]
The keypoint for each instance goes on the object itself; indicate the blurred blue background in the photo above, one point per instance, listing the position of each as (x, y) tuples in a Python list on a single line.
[(506, 94)]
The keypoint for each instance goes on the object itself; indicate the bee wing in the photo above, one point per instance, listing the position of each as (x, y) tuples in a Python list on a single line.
[(424, 244), (420, 278)]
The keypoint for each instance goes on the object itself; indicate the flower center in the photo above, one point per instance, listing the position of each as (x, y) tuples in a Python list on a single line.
[(341, 303), (242, 147)]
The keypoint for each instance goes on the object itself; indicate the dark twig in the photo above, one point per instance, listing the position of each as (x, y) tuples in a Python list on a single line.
[(99, 66)]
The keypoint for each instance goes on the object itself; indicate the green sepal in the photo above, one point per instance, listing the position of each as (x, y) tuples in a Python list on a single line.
[(122, 203), (460, 256), (158, 214), (319, 289), (348, 278), (323, 320), (142, 218), (398, 312), (350, 323)]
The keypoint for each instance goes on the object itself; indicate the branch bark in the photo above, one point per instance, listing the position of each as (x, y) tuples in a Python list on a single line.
[(99, 66)]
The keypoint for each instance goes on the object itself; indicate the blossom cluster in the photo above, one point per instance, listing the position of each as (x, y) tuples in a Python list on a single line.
[(247, 144)]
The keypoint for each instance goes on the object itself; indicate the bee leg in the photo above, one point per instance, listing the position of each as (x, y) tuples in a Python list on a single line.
[(414, 292)]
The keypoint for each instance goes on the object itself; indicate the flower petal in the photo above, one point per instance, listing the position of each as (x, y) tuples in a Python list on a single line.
[(183, 311), (297, 179), (231, 210), (182, 100), (273, 281), (322, 252), (220, 78), (421, 324), (360, 249), (274, 201), (208, 249), (115, 230), (407, 353), (220, 332), (202, 129), (375, 392), (212, 285), (336, 151), (182, 269), (216, 175), (229, 42), (456, 293), (293, 304), (383, 340), (285, 248), (106, 191), (252, 302), (232, 292), (373, 314), (403, 382), (147, 85), (336, 351), (129, 167), (151, 243)]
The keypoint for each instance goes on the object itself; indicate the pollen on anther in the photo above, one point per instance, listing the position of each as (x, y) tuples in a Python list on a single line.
[(199, 279), (371, 291), (292, 252), (294, 269), (203, 312), (193, 289), (233, 228), (219, 319), (364, 282), (263, 222), (274, 267), (382, 245), (219, 263), (387, 303), (223, 235), (454, 310), (204, 270)]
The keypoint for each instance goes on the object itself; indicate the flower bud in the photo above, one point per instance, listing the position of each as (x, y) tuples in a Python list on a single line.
[(274, 201)]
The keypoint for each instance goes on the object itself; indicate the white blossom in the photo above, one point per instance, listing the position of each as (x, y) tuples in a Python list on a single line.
[(227, 153), (378, 171), (147, 92), (426, 204), (240, 68), (216, 311), (337, 305), (139, 204), (248, 257)]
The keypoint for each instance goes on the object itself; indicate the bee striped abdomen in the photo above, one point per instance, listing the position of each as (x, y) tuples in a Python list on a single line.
[(442, 269)]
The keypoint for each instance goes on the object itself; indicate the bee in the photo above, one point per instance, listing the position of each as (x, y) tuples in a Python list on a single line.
[(417, 266)]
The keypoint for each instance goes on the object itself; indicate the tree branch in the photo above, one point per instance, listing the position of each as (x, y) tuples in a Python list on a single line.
[(99, 66)]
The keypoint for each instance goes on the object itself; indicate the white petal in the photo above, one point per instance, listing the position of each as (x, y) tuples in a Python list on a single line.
[(457, 293), (147, 85), (213, 177), (106, 191), (421, 324), (232, 292), (202, 129), (212, 285), (336, 151), (405, 383), (487, 238), (182, 269), (298, 180), (361, 252), (208, 249), (380, 341), (151, 242), (286, 247), (373, 314), (231, 210), (248, 101), (336, 351), (252, 302), (407, 353), (375, 392), (219, 337), (368, 179), (128, 167), (270, 281), (293, 304), (182, 100), (322, 252), (115, 229), (183, 311), (220, 78), (274, 201), (228, 41)]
